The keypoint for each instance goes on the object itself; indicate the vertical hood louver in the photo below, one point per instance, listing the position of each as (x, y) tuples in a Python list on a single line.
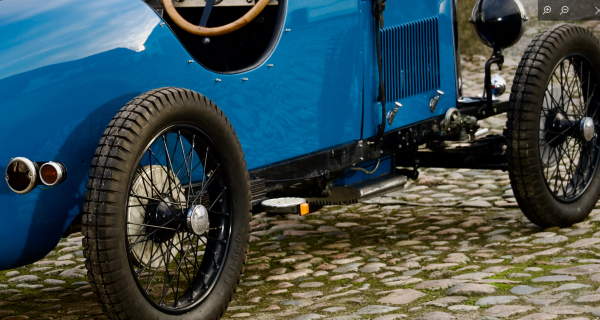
[(410, 58)]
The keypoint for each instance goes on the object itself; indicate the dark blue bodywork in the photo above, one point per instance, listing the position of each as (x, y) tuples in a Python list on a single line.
[(66, 68)]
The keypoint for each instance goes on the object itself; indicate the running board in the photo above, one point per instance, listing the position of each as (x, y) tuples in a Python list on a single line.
[(362, 190)]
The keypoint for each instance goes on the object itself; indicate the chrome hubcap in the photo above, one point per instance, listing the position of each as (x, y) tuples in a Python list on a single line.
[(586, 127), (197, 219)]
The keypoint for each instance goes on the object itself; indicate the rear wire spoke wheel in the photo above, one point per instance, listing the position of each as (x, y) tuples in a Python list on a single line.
[(175, 265), (552, 127), (167, 210)]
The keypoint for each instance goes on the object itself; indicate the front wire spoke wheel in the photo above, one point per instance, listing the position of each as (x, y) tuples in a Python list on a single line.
[(552, 127), (568, 158), (166, 218)]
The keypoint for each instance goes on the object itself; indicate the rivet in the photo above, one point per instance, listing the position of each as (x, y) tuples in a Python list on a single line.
[(270, 65), (162, 24), (288, 30), (244, 79), (217, 80), (190, 61)]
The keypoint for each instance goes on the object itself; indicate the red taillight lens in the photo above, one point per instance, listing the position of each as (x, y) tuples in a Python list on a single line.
[(49, 174), (52, 173)]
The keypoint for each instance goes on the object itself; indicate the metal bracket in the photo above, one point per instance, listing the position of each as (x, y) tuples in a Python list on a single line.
[(434, 102), (410, 174), (498, 59), (392, 113)]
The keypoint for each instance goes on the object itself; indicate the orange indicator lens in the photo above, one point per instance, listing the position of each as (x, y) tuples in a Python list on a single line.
[(304, 209)]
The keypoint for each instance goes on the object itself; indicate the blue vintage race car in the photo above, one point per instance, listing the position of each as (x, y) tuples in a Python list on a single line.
[(156, 127)]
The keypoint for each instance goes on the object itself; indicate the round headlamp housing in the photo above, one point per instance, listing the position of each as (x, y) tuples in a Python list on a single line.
[(498, 23), (21, 175)]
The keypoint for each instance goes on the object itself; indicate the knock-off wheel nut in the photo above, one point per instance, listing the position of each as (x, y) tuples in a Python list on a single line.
[(197, 220), (586, 127)]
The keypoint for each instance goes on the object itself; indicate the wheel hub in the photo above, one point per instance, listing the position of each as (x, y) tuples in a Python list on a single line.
[(562, 127), (197, 220), (163, 214)]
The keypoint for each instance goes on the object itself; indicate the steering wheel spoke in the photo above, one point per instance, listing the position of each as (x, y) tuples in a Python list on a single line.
[(206, 12)]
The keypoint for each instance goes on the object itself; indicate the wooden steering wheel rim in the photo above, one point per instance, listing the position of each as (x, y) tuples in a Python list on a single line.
[(217, 31)]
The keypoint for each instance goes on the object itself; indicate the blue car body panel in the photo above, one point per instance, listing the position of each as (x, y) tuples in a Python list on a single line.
[(67, 67)]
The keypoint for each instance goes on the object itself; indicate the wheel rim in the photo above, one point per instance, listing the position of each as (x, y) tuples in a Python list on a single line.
[(176, 268), (568, 145)]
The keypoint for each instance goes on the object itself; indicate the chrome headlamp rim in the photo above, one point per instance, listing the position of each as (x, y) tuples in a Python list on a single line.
[(60, 173), (33, 174)]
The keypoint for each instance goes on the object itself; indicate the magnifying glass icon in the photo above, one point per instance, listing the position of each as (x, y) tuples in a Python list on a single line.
[(547, 9), (564, 9)]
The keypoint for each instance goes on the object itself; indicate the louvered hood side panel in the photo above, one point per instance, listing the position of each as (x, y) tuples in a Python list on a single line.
[(410, 58)]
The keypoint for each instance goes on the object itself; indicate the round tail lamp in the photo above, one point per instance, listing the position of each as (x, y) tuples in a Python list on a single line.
[(21, 175), (498, 23), (52, 173)]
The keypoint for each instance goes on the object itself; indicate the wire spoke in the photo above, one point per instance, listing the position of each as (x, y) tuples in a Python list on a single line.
[(149, 225)]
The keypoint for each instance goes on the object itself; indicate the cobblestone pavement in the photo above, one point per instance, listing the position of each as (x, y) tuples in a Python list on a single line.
[(451, 245)]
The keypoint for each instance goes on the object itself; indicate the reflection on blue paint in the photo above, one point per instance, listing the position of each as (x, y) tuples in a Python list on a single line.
[(68, 66)]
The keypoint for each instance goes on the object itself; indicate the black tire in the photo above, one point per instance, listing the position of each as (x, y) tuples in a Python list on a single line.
[(110, 258), (553, 171)]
